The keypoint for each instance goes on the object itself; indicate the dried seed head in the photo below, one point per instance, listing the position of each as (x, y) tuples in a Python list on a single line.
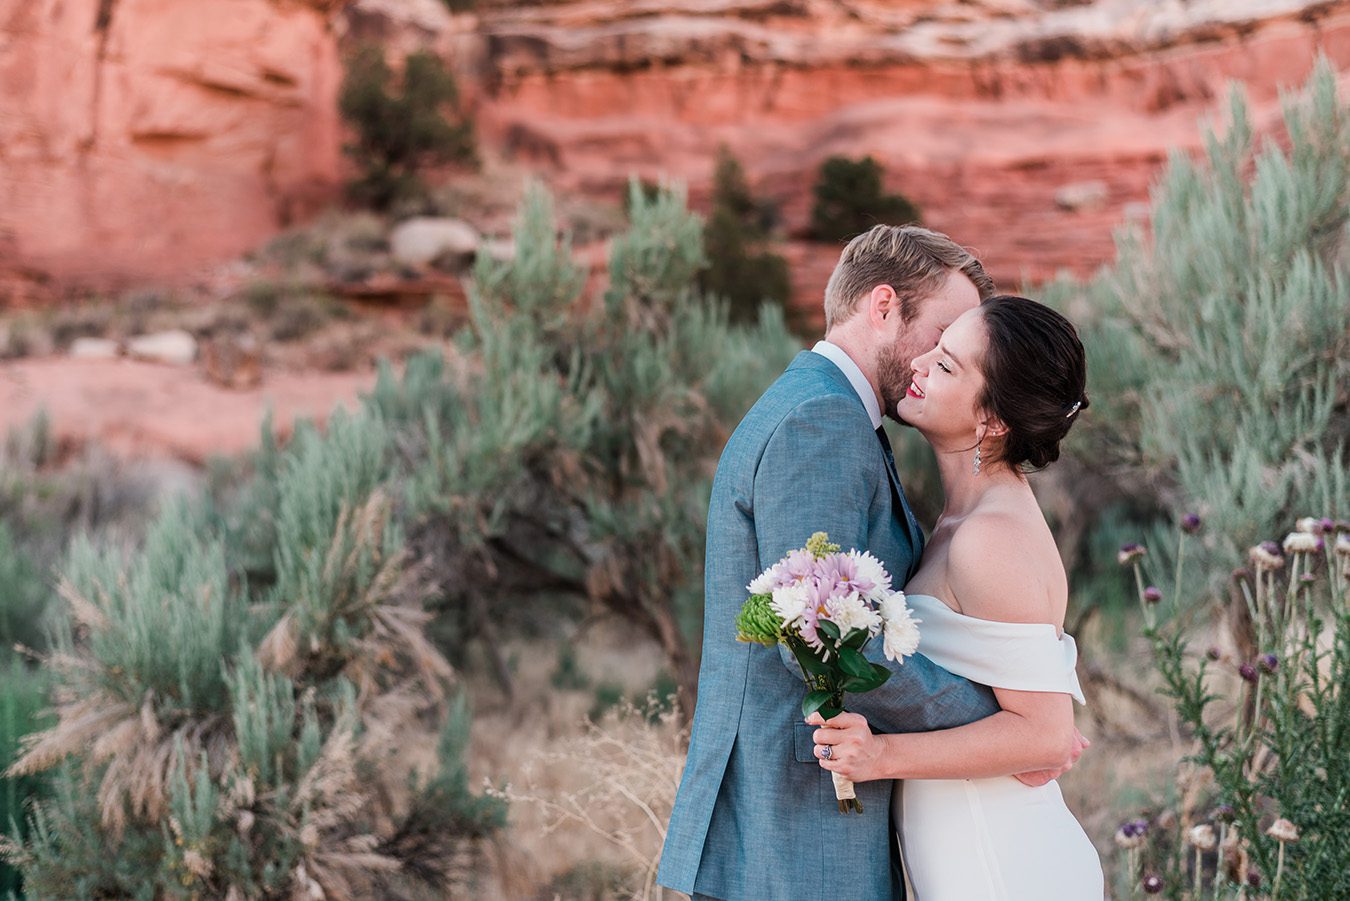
[(1283, 831)]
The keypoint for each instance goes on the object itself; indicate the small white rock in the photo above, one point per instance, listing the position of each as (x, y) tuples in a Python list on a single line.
[(1084, 195), (175, 347), (94, 349), (418, 241)]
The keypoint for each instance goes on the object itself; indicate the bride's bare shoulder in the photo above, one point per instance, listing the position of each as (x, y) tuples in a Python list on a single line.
[(999, 568)]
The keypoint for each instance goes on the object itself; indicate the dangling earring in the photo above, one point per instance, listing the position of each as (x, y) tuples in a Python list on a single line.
[(977, 459)]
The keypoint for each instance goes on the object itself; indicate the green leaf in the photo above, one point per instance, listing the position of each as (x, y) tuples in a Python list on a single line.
[(857, 685), (828, 629), (856, 638), (807, 659), (854, 663), (815, 701), (832, 709)]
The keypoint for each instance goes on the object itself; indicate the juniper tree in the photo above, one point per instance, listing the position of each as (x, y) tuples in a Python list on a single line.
[(850, 199), (742, 268), (402, 123)]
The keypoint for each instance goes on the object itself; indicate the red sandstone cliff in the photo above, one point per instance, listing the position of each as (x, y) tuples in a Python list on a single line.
[(144, 138), (991, 114)]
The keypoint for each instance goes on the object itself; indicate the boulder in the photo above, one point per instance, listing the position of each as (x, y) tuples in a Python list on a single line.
[(94, 349), (175, 347), (1085, 195), (419, 241)]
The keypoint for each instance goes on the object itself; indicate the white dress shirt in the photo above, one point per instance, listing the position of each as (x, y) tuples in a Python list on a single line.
[(835, 354)]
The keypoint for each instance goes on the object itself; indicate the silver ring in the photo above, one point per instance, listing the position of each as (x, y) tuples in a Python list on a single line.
[(826, 752)]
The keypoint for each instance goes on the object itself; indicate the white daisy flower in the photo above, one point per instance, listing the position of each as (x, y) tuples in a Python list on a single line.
[(901, 632), (851, 612), (871, 570), (765, 582), (790, 602)]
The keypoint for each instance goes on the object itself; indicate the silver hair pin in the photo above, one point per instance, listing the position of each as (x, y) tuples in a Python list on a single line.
[(1073, 409)]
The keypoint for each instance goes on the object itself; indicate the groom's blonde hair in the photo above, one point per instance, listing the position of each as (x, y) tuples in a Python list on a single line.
[(912, 260)]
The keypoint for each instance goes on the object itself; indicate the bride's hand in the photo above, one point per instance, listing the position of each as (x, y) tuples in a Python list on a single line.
[(855, 752)]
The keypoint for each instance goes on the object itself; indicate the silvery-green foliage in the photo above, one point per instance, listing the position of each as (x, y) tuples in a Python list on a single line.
[(657, 260), (540, 279), (263, 706), (1219, 349), (569, 441), (159, 621)]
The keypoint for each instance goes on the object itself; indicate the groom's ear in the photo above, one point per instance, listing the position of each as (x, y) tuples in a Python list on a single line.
[(882, 303)]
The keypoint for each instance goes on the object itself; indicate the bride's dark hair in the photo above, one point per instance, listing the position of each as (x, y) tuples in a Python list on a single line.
[(1035, 374)]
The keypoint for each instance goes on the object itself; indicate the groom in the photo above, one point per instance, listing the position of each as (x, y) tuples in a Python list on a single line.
[(756, 817)]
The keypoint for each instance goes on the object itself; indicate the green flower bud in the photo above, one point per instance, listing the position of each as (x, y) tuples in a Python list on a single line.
[(757, 621)]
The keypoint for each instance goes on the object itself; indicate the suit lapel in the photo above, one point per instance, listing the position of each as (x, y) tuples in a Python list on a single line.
[(902, 503), (810, 360)]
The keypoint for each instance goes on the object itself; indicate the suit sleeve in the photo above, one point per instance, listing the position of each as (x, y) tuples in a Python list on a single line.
[(819, 473)]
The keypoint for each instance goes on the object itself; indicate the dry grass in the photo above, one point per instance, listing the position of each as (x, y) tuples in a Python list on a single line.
[(576, 833)]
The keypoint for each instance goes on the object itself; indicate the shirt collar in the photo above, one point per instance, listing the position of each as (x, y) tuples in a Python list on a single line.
[(836, 355)]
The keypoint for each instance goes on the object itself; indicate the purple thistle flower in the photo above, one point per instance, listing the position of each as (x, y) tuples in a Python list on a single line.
[(1268, 663), (1224, 813), (1253, 879), (1214, 653), (1190, 523), (1327, 525), (1152, 594), (1153, 884), (1247, 672), (1272, 547)]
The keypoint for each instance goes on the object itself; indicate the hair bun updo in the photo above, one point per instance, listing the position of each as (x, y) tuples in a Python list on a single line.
[(1035, 375)]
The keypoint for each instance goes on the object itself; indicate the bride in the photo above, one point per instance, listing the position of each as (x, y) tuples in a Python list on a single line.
[(996, 396)]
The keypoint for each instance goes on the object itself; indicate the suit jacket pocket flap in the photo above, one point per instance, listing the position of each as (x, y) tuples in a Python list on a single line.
[(803, 742)]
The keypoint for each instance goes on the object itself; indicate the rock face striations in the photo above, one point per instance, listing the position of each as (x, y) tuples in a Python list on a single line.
[(143, 138), (1028, 129)]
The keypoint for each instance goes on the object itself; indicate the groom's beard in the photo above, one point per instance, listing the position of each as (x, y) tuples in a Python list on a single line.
[(894, 372)]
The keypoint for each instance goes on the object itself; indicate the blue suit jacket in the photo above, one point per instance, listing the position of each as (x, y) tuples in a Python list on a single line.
[(755, 816)]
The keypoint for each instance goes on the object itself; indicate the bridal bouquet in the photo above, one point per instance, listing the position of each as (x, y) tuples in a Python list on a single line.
[(825, 606)]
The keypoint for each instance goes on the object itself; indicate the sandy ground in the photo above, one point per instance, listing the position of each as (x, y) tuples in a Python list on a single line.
[(150, 409)]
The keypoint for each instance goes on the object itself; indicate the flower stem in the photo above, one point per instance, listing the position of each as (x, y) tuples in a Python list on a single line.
[(1181, 554), (1143, 604), (1218, 867), (1279, 872)]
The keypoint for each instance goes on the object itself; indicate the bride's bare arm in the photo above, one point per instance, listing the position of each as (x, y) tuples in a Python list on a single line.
[(993, 575)]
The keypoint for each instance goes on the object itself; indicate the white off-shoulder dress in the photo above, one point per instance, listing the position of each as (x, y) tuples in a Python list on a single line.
[(994, 839)]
